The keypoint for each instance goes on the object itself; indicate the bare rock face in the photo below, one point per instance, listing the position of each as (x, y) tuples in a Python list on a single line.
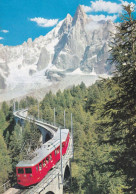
[(54, 75), (44, 59), (97, 52), (2, 82), (66, 25), (4, 70), (31, 72)]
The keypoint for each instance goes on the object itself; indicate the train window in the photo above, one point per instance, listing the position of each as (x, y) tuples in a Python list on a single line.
[(63, 145), (50, 156), (47, 160), (55, 152), (20, 171), (44, 163), (28, 170), (40, 166)]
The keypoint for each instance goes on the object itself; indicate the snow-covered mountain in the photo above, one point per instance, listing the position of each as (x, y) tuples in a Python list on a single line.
[(75, 43)]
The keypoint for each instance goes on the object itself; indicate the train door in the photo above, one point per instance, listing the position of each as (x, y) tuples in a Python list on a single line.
[(45, 166), (29, 176), (20, 175), (36, 173)]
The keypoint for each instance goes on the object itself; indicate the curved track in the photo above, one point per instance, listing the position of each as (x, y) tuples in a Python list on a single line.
[(22, 114)]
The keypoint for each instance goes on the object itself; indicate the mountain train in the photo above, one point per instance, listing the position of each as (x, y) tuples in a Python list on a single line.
[(32, 171)]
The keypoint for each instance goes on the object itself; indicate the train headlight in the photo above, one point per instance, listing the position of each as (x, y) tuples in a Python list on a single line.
[(18, 175), (31, 175)]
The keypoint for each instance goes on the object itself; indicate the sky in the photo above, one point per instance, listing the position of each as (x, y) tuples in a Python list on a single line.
[(23, 19)]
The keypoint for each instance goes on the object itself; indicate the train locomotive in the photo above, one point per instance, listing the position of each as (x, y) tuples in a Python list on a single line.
[(32, 171)]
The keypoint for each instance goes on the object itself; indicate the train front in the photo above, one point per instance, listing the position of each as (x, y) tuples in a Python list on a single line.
[(25, 175)]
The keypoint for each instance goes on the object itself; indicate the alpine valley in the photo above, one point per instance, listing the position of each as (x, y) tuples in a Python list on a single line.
[(75, 50)]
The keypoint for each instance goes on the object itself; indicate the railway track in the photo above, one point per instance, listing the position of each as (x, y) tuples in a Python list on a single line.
[(20, 114), (54, 172)]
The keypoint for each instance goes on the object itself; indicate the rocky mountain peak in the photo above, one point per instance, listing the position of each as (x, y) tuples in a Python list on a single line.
[(29, 42), (80, 16), (68, 18), (66, 25)]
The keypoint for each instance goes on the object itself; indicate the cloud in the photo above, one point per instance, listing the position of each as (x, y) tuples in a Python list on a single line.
[(1, 38), (42, 22), (105, 6), (103, 17), (4, 31), (86, 8), (95, 23)]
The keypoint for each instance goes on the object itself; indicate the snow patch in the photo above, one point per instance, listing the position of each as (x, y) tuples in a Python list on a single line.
[(79, 72), (54, 68)]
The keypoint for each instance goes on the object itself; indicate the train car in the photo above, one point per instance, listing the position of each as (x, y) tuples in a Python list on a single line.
[(32, 171)]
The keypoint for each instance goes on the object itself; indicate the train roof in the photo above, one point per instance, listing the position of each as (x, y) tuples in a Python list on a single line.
[(45, 149)]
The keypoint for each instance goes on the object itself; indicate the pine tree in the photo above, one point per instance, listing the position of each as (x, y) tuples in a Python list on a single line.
[(5, 109), (5, 162), (118, 127), (2, 121)]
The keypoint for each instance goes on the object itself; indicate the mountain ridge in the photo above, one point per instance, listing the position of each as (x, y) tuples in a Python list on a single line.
[(73, 43)]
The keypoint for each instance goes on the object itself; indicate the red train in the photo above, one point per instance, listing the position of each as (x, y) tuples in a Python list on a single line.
[(32, 171)]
